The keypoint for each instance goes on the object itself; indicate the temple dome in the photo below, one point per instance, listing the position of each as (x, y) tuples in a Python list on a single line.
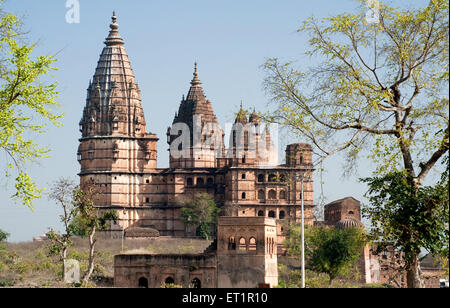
[(254, 118), (241, 116), (349, 223)]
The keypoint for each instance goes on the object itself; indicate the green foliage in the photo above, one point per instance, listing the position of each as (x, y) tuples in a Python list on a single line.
[(291, 278), (201, 213), (7, 283), (334, 251), (380, 89), (327, 250), (407, 217), (3, 236), (171, 286), (87, 215), (79, 226), (26, 105)]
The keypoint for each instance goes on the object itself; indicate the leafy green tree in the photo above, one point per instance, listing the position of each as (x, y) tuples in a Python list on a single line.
[(201, 213), (62, 193), (333, 251), (94, 219), (80, 226), (380, 89), (3, 236), (328, 250), (409, 219), (27, 101)]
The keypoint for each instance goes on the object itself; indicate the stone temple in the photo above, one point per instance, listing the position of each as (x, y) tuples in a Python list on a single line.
[(258, 196), (118, 154)]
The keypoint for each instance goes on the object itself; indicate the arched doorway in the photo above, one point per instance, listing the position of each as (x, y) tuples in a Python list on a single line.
[(196, 283), (143, 283), (169, 280)]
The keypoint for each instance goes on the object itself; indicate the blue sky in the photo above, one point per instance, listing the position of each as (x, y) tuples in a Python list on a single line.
[(229, 39)]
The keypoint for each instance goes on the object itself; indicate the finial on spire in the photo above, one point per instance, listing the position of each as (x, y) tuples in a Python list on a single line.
[(196, 80), (114, 36), (114, 25)]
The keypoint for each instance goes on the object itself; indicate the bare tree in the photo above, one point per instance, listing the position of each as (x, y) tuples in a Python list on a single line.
[(85, 199), (62, 193)]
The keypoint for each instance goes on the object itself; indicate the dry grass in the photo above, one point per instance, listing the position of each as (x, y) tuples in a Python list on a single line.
[(29, 265)]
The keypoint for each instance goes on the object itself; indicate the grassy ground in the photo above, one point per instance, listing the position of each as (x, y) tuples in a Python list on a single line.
[(29, 265), (289, 276)]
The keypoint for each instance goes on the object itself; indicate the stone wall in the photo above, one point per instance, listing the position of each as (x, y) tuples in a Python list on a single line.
[(132, 269)]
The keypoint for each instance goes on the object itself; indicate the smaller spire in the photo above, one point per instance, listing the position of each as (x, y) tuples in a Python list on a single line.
[(254, 117), (241, 116)]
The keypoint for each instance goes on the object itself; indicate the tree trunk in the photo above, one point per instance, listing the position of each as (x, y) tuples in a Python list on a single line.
[(413, 274), (64, 257), (88, 274), (330, 282)]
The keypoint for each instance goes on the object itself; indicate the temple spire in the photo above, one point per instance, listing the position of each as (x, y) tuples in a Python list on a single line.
[(114, 37), (195, 81)]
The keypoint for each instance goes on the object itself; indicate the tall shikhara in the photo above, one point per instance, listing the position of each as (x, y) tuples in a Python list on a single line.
[(115, 149)]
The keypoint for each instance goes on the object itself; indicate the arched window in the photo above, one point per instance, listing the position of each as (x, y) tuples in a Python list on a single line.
[(272, 194), (283, 195), (200, 182), (272, 214), (210, 181), (261, 213), (189, 182), (196, 283), (252, 244), (272, 177), (169, 280), (260, 178), (261, 195), (243, 176), (282, 214), (243, 159), (351, 212), (242, 244), (231, 243), (244, 195), (143, 283)]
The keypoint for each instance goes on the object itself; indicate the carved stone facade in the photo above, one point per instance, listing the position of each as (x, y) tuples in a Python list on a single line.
[(244, 256), (118, 154)]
